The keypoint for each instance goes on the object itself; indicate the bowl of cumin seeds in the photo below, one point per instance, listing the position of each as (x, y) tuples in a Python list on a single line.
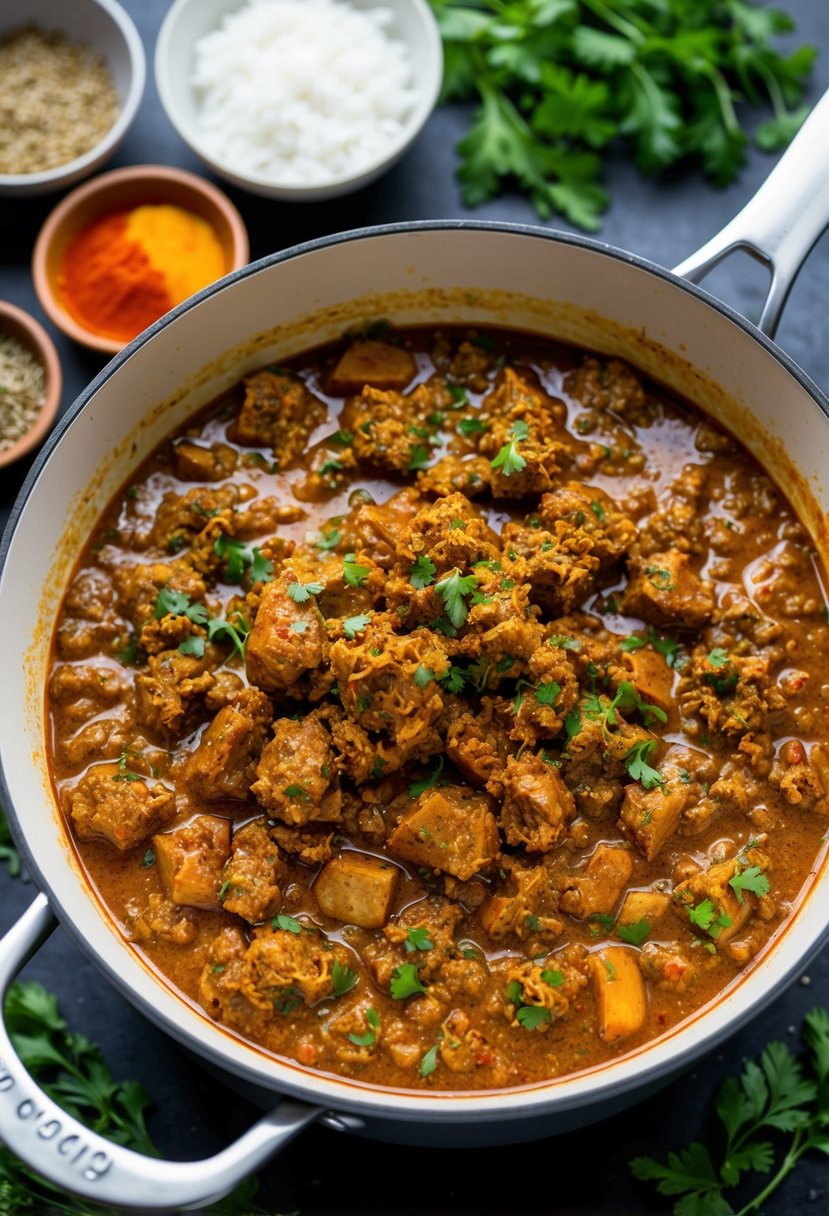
[(71, 79), (30, 383)]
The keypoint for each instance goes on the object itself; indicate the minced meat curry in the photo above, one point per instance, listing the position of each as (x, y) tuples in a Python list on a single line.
[(443, 709)]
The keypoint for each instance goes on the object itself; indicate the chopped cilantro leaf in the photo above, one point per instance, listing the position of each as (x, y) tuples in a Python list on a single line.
[(300, 593), (422, 572), (405, 982)]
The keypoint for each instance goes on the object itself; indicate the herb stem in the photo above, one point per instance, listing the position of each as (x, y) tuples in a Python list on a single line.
[(795, 1152), (615, 20)]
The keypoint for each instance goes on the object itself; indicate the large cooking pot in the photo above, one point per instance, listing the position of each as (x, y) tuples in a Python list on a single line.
[(568, 287)]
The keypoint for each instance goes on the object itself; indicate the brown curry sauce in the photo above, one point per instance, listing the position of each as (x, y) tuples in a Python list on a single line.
[(438, 709)]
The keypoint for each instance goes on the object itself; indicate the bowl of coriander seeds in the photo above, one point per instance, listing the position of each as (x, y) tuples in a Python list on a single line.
[(30, 383), (71, 79)]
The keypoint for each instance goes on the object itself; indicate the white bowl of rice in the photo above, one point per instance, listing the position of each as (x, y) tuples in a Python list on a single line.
[(299, 99)]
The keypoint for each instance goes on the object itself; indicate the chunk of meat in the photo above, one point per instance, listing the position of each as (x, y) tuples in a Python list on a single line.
[(288, 638), (357, 889), (451, 533), (537, 804), (667, 965), (118, 806), (477, 746), (247, 986), (732, 693), (462, 1047), (523, 906), (224, 763), (552, 984), (652, 816), (389, 426), (181, 517), (730, 908), (278, 412), (370, 362), (599, 888), (139, 586), (378, 527), (665, 590), (162, 920), (194, 462), (169, 692), (452, 829), (253, 874), (190, 860), (379, 675), (295, 772), (620, 992)]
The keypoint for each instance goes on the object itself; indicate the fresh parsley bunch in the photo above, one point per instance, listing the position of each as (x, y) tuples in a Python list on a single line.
[(560, 81), (772, 1114)]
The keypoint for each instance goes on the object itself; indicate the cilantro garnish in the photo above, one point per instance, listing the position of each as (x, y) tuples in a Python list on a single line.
[(419, 787), (548, 694), (453, 590), (751, 879), (370, 1037), (353, 573), (236, 632), (405, 982), (342, 978), (300, 593), (634, 934), (328, 540), (353, 625), (636, 763), (509, 460), (471, 426), (288, 923), (429, 1062), (177, 603), (240, 557), (454, 680), (422, 573), (418, 939), (418, 457)]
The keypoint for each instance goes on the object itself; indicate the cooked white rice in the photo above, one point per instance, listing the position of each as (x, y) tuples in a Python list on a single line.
[(300, 92)]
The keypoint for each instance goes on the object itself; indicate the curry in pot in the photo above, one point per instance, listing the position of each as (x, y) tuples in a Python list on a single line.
[(441, 710)]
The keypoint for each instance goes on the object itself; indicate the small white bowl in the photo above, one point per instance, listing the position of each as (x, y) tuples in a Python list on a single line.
[(189, 20), (105, 27)]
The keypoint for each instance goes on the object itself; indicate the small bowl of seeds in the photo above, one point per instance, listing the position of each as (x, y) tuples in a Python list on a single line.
[(30, 383), (71, 79)]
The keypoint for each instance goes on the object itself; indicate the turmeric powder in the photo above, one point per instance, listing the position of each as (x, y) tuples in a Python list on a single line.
[(130, 267)]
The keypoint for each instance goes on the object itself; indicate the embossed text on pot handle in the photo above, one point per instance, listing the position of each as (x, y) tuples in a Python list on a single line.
[(781, 223), (71, 1156)]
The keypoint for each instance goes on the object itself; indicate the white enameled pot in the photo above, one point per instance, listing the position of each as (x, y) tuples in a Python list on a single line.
[(530, 279)]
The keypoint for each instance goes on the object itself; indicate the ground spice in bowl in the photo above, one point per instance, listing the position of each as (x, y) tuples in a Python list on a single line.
[(57, 100), (127, 268), (22, 390)]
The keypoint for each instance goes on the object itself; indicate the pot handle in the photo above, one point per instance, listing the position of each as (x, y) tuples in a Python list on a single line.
[(781, 223), (71, 1156)]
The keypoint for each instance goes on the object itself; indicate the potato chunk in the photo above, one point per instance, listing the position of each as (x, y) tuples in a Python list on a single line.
[(190, 860), (644, 905), (620, 992), (357, 889), (451, 829), (601, 884), (376, 363)]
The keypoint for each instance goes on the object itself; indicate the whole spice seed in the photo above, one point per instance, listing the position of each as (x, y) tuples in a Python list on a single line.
[(22, 390), (57, 101)]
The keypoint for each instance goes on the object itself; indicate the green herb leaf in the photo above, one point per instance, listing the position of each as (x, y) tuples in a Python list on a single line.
[(288, 923), (418, 939), (419, 787), (240, 557), (453, 589), (751, 879), (354, 575), (300, 593), (342, 978), (353, 625), (636, 762), (634, 934), (429, 1062), (405, 982), (422, 573)]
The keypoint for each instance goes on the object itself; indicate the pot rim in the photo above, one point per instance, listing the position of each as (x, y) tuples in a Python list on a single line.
[(645, 1066)]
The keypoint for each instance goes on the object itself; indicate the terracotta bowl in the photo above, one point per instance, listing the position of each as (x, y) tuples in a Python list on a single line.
[(31, 334), (119, 190)]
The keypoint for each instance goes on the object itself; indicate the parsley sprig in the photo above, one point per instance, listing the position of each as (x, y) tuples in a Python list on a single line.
[(240, 557), (562, 82), (454, 590), (509, 460), (777, 1095)]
